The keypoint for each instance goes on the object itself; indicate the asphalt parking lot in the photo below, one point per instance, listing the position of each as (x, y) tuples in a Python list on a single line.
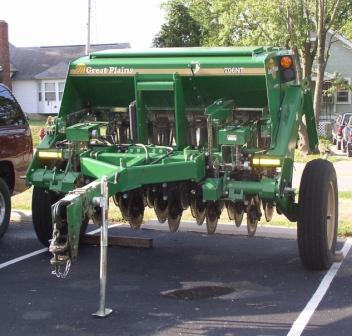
[(187, 284)]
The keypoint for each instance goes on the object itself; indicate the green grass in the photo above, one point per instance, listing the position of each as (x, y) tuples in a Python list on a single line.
[(324, 145), (299, 157), (345, 194)]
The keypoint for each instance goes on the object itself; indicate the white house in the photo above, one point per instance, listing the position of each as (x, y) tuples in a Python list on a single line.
[(339, 61), (38, 74)]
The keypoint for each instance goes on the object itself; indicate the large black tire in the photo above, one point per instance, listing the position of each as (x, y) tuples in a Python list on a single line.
[(42, 200), (317, 215), (5, 207)]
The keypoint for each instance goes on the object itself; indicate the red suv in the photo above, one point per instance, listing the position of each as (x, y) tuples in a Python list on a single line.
[(16, 149)]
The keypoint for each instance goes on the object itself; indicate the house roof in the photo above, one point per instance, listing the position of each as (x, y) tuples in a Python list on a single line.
[(341, 38), (57, 71), (49, 62)]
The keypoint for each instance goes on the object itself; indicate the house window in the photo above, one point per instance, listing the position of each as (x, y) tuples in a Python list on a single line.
[(40, 93), (61, 89), (49, 91), (344, 96)]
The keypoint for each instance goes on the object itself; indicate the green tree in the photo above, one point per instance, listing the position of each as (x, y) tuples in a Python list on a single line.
[(301, 25), (329, 14), (337, 83), (347, 29), (180, 30)]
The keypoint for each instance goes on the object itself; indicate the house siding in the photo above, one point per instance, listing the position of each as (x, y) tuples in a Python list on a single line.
[(26, 93), (340, 60)]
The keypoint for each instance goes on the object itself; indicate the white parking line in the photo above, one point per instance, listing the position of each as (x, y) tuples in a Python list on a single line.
[(24, 257), (45, 249), (306, 314)]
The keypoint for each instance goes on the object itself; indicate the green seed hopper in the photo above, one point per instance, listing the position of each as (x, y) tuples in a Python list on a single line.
[(205, 128)]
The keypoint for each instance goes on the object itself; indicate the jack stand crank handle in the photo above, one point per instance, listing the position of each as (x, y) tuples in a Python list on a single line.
[(103, 201)]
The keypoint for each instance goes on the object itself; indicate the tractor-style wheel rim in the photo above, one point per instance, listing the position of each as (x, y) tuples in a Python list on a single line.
[(331, 215), (2, 208)]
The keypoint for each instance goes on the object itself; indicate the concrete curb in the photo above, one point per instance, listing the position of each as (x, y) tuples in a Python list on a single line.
[(21, 215)]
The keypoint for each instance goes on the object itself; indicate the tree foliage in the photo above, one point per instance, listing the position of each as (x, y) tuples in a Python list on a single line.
[(337, 83), (347, 29), (180, 30), (301, 25)]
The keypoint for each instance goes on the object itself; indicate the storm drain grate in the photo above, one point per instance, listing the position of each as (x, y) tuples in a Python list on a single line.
[(198, 293)]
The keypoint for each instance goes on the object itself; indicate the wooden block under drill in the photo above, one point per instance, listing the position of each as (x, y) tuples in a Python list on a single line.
[(119, 241)]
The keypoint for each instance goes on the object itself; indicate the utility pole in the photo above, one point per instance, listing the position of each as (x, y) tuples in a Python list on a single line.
[(88, 29)]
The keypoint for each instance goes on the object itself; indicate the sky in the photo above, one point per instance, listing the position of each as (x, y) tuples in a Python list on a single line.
[(64, 22)]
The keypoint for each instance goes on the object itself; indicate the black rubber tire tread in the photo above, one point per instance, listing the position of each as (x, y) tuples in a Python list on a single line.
[(344, 146), (4, 190), (42, 200), (312, 215), (84, 226)]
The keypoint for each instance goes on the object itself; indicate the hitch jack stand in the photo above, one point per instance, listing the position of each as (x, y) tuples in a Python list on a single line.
[(102, 202)]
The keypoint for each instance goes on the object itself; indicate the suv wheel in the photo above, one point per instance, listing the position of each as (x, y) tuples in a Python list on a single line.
[(344, 146), (5, 207)]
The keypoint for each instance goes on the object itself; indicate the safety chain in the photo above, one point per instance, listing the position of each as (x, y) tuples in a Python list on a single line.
[(59, 248)]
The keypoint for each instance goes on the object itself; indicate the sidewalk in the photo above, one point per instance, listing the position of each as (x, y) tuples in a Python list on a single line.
[(343, 172), (21, 215)]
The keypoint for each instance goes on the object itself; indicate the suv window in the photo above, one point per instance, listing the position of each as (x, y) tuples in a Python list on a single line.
[(350, 122), (346, 116), (10, 111)]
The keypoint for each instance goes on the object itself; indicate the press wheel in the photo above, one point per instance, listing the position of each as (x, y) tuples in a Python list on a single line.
[(268, 210), (161, 208), (252, 218), (184, 196), (136, 210), (235, 212), (200, 210), (150, 197), (174, 212), (213, 211), (123, 205)]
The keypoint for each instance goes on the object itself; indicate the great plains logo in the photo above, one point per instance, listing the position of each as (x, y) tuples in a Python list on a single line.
[(80, 69), (83, 69), (109, 71)]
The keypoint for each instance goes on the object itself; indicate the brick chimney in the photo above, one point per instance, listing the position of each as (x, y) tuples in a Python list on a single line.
[(4, 54)]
